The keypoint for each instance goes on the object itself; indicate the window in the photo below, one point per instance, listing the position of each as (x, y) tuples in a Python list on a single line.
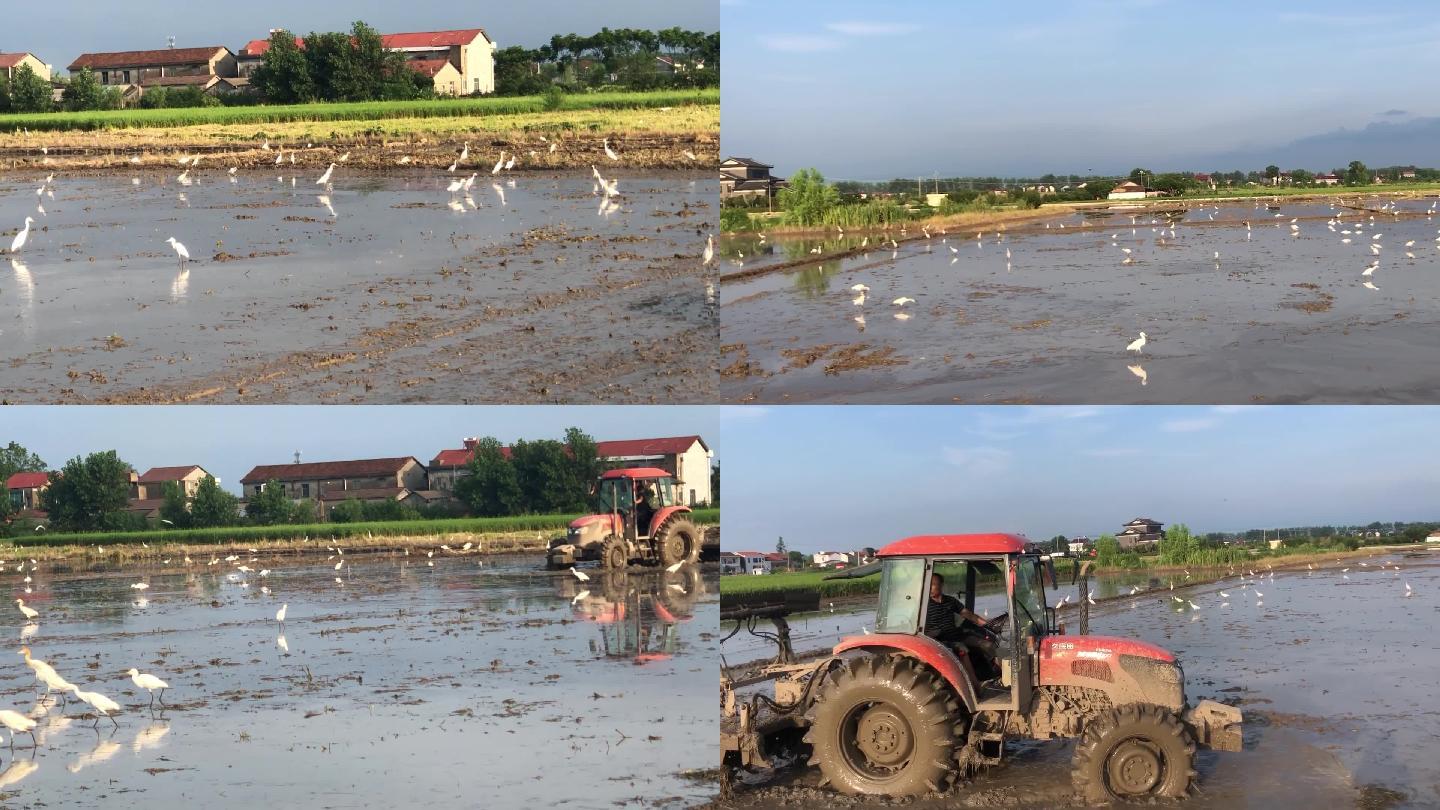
[(259, 488), (477, 85), (305, 490), (900, 596), (692, 498)]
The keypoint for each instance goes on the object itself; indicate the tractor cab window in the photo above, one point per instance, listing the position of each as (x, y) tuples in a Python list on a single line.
[(616, 495), (1029, 598), (902, 591), (664, 492)]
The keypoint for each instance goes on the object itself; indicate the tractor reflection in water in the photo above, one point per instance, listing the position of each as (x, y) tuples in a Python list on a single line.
[(637, 518), (639, 615)]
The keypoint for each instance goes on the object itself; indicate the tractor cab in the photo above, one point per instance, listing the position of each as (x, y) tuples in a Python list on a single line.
[(635, 496), (920, 575)]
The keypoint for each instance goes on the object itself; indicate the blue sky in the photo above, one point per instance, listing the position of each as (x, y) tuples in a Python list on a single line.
[(229, 440), (852, 476), (863, 90), (59, 32)]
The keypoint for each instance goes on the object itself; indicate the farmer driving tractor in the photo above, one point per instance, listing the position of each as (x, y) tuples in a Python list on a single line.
[(947, 620)]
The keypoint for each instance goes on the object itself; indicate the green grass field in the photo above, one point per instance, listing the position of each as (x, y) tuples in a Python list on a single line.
[(358, 111), (392, 528)]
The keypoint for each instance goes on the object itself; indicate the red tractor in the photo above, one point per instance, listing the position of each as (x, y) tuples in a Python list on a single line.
[(637, 518), (902, 713)]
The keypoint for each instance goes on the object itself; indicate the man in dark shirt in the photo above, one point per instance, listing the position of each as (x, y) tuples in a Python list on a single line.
[(944, 620)]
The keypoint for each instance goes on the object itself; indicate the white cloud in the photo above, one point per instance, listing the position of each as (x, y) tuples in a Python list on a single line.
[(1188, 425), (978, 461), (869, 28), (798, 43)]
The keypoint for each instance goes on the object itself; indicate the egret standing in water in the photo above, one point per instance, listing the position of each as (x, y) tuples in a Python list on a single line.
[(101, 704), (325, 178), (180, 251), (1137, 345), (149, 683), (22, 236), (30, 613), (580, 575), (610, 153), (18, 724), (280, 614)]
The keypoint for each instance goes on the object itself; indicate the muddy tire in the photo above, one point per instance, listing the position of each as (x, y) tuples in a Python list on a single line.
[(1137, 752), (677, 541), (885, 725), (614, 554)]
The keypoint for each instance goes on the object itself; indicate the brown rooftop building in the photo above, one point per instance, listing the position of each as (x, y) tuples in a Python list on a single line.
[(750, 179), (321, 480), (197, 66), (11, 62)]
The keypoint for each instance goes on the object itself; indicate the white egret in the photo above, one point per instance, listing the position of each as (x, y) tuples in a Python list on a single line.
[(18, 724), (709, 249), (23, 236), (902, 301), (30, 613), (180, 251), (325, 178), (610, 153), (101, 704), (580, 575), (149, 683), (280, 614), (673, 568), (464, 153), (499, 164), (139, 586), (1137, 345)]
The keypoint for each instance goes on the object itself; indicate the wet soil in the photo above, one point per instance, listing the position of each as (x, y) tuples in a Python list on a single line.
[(383, 288), (1329, 665), (1277, 318), (443, 681)]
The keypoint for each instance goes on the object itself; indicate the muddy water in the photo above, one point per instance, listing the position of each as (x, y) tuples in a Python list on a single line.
[(1282, 318), (384, 285), (409, 684), (1333, 671)]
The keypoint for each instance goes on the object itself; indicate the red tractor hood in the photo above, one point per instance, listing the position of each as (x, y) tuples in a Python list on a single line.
[(1100, 647), (581, 522)]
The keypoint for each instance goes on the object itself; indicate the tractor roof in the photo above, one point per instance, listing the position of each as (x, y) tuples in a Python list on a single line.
[(637, 472), (937, 544)]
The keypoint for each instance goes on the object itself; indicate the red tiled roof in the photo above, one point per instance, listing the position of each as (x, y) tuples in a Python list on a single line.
[(381, 494), (648, 447), (156, 58), (10, 60), (427, 67), (459, 458), (423, 39), (159, 475), (362, 468), (27, 480), (146, 505)]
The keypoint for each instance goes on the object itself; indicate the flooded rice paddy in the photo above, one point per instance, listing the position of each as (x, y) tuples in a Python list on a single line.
[(1043, 313), (1332, 667), (410, 681), (385, 287)]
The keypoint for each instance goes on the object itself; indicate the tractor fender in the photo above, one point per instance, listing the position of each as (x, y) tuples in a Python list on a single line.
[(663, 514), (929, 651)]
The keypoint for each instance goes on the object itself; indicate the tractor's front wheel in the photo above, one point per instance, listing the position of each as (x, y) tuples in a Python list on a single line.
[(614, 553), (677, 541), (1134, 753), (885, 725)]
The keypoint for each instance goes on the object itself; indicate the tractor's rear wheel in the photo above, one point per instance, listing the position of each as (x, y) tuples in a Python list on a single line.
[(614, 554), (885, 725), (1134, 753), (677, 541)]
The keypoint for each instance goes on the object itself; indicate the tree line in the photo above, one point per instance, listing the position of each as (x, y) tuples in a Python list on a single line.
[(624, 58), (337, 66)]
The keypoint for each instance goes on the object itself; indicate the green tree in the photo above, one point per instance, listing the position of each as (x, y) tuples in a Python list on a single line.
[(491, 487), (1301, 177), (1107, 550), (214, 506), (1057, 543), (29, 93), (1357, 174), (1139, 175), (176, 508), (83, 92), (304, 511), (585, 468), (1178, 545), (780, 546), (517, 72), (715, 484), (1271, 172), (4, 94), (271, 505), (284, 74), (807, 198), (90, 494), (542, 471), (349, 510)]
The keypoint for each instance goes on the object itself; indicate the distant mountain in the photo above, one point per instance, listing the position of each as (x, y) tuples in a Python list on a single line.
[(1415, 141)]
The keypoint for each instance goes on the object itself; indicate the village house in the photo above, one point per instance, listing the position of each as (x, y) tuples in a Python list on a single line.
[(24, 489), (687, 458), (744, 562), (135, 71), (459, 62), (1327, 180), (1407, 173), (1078, 545), (748, 179), (1131, 190), (778, 561), (333, 482), (1140, 533), (825, 559), (151, 483), (11, 62)]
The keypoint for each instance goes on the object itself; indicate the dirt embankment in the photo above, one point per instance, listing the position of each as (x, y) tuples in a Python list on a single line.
[(127, 150)]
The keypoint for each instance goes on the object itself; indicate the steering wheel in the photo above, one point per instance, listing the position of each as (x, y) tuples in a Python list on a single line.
[(995, 628)]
